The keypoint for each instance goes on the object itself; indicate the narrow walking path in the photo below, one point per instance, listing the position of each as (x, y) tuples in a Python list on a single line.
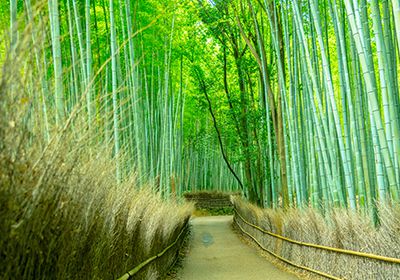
[(216, 253)]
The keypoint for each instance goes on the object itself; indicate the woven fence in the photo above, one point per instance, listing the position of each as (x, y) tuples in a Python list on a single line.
[(341, 247)]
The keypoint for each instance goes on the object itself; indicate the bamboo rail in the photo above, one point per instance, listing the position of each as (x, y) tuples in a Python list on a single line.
[(327, 248), (136, 269), (286, 260)]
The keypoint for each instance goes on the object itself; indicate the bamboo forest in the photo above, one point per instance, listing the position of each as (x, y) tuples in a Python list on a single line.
[(199, 139)]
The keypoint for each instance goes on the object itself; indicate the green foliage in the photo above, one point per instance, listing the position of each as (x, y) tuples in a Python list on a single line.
[(304, 93)]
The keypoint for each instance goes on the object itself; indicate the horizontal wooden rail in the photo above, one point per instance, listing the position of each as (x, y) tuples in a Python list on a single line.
[(135, 270), (326, 248), (320, 273)]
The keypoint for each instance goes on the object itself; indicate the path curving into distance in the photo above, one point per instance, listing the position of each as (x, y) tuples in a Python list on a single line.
[(217, 253)]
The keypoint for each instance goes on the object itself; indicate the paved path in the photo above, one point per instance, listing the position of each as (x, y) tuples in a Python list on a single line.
[(216, 253)]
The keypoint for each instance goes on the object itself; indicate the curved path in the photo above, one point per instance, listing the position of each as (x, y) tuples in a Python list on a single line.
[(216, 253)]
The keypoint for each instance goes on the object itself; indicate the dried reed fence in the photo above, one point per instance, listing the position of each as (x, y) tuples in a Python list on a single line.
[(339, 229), (164, 259), (62, 213)]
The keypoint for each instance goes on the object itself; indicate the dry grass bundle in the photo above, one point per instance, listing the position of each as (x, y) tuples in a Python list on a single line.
[(340, 229), (62, 215)]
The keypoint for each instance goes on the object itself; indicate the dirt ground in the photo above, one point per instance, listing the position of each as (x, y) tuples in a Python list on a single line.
[(216, 253)]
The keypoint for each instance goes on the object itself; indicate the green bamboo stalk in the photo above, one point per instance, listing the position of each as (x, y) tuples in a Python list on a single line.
[(326, 68), (114, 53), (370, 81), (13, 24), (89, 67), (38, 59), (57, 60)]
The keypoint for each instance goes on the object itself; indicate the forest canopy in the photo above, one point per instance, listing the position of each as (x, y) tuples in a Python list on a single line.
[(294, 103)]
